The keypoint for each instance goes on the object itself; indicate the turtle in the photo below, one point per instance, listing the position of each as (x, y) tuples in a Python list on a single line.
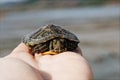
[(51, 39)]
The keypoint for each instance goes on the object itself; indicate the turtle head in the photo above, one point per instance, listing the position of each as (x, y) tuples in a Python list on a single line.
[(57, 45)]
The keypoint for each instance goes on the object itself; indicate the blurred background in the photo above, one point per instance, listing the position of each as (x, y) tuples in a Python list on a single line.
[(95, 22)]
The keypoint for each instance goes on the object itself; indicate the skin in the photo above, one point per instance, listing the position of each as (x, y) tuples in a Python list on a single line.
[(21, 65)]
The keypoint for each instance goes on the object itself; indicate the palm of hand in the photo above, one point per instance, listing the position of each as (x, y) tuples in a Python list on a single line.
[(64, 66)]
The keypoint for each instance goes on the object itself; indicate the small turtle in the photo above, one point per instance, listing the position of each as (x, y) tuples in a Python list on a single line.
[(51, 39)]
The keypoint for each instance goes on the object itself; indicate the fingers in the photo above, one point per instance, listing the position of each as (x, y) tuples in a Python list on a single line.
[(75, 64), (21, 48), (78, 50), (69, 65)]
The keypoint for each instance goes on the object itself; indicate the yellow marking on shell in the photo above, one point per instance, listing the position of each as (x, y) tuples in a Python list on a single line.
[(63, 36), (27, 44), (49, 53), (44, 41), (52, 37), (31, 43)]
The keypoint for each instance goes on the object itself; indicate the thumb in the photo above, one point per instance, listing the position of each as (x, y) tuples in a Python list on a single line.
[(21, 48)]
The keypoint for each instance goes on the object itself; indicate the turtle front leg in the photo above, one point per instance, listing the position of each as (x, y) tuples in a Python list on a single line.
[(51, 46), (50, 52)]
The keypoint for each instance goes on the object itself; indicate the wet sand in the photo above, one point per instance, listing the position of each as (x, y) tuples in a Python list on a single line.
[(99, 36)]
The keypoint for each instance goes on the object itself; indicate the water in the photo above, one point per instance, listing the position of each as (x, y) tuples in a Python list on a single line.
[(73, 14), (66, 17), (5, 2)]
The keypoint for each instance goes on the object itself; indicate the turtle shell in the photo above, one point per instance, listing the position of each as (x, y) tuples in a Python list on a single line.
[(43, 39), (46, 33)]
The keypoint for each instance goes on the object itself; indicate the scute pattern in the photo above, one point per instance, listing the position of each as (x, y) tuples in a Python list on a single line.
[(40, 40)]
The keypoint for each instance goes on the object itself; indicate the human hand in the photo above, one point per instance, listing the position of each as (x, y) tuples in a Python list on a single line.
[(63, 66)]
